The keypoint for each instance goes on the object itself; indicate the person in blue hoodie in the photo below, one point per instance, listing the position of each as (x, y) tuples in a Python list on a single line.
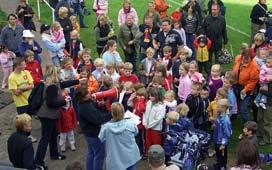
[(222, 133), (119, 136)]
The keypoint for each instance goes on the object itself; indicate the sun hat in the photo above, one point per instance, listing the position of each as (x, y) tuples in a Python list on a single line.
[(27, 34)]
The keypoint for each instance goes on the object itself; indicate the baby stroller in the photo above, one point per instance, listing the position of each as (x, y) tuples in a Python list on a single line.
[(190, 148)]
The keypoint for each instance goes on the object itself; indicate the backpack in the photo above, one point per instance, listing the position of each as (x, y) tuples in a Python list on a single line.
[(224, 57), (35, 99)]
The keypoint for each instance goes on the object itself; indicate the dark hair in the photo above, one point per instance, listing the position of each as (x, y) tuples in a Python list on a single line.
[(167, 20), (12, 15), (251, 126), (74, 166), (109, 44), (17, 61), (80, 94), (156, 92), (2, 47), (161, 68), (247, 154), (85, 69), (188, 5)]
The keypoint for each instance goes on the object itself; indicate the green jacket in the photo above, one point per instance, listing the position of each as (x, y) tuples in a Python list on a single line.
[(124, 35)]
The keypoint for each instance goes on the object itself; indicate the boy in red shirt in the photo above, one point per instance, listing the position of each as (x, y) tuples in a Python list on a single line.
[(34, 67), (128, 76)]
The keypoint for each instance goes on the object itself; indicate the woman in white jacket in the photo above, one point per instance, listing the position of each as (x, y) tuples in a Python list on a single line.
[(153, 118)]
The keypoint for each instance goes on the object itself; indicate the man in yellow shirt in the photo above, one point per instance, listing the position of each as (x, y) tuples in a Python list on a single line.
[(20, 83)]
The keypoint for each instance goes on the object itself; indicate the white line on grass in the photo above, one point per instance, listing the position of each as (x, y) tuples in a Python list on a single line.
[(230, 27)]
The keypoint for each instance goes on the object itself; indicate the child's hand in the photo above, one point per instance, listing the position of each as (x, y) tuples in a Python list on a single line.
[(168, 137), (210, 83), (240, 136)]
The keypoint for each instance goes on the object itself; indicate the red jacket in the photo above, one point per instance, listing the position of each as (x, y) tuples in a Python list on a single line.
[(139, 105), (35, 70), (167, 82), (133, 78), (67, 120)]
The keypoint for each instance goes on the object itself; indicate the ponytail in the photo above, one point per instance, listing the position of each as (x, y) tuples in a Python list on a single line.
[(109, 44)]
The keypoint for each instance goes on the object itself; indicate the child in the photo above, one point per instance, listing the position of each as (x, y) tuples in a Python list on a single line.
[(249, 132), (265, 78), (147, 67), (183, 121), (229, 81), (204, 94), (120, 68), (215, 82), (202, 45), (74, 22), (194, 102), (111, 71), (98, 72), (166, 59), (75, 46), (170, 101), (195, 76), (185, 83), (66, 123), (153, 118), (178, 27), (167, 78), (139, 105), (128, 76), (6, 58), (222, 133), (34, 67), (86, 60), (57, 32), (126, 92), (260, 57), (110, 55), (157, 82), (100, 7), (67, 72), (91, 83)]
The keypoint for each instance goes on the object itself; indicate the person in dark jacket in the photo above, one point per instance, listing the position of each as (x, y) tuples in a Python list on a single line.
[(91, 117), (25, 14), (62, 3), (49, 114), (258, 14), (215, 29), (20, 149), (222, 8)]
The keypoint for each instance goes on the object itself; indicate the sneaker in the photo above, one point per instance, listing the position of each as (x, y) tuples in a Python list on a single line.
[(73, 148), (62, 148), (33, 139), (59, 157), (211, 153), (263, 106)]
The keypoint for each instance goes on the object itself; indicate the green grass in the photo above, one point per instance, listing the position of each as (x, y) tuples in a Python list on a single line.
[(3, 19), (237, 16)]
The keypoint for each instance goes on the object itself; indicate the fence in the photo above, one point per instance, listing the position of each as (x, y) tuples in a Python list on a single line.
[(39, 9)]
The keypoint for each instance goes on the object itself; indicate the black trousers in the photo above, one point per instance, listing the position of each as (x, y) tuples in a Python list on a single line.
[(204, 65), (213, 52), (221, 157)]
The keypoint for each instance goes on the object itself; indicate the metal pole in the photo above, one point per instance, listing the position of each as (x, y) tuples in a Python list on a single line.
[(53, 16), (39, 10)]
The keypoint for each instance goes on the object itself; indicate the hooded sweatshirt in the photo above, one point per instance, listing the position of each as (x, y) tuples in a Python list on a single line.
[(121, 148)]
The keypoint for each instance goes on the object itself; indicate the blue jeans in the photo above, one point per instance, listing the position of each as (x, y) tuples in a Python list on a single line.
[(22, 109), (190, 43), (96, 153), (78, 10), (243, 108), (49, 136), (132, 167)]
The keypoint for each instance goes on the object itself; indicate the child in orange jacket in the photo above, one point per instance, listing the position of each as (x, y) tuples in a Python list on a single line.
[(91, 83), (161, 6)]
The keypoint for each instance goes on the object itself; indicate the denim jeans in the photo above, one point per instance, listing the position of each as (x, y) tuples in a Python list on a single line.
[(243, 108), (78, 10), (96, 153), (48, 136), (190, 43), (22, 109)]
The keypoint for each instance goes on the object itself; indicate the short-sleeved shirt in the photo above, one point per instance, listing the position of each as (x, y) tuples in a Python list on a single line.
[(19, 80), (172, 39)]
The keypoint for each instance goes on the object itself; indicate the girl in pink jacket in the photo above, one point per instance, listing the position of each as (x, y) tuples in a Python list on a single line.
[(6, 60), (100, 7), (127, 9), (185, 83)]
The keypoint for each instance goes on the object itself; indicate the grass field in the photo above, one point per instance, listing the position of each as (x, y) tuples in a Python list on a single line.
[(237, 17)]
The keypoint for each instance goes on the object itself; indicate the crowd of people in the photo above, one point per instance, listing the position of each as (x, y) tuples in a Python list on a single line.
[(170, 78)]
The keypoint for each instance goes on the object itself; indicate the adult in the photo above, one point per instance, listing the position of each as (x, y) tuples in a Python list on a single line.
[(53, 3), (153, 13), (247, 75), (90, 120), (215, 28), (127, 40), (66, 25), (222, 8), (11, 34), (52, 47), (20, 83), (63, 3), (103, 32), (191, 22), (20, 149), (156, 159), (28, 43), (25, 14), (127, 9), (49, 114), (76, 5), (197, 9), (247, 156), (167, 37), (257, 15), (119, 137), (264, 119)]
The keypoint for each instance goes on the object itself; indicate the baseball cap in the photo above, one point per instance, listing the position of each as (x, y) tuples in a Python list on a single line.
[(156, 154), (44, 27)]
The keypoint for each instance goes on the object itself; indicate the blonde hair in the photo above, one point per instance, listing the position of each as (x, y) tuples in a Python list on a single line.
[(51, 74), (216, 67), (127, 85), (73, 18), (98, 61), (65, 61), (117, 111), (167, 49), (141, 92), (229, 75), (222, 92), (55, 24), (173, 116), (63, 11), (170, 93), (128, 66), (150, 50), (224, 103), (85, 51), (259, 37), (182, 109), (21, 120), (110, 65), (28, 53), (185, 65), (107, 81), (185, 51)]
